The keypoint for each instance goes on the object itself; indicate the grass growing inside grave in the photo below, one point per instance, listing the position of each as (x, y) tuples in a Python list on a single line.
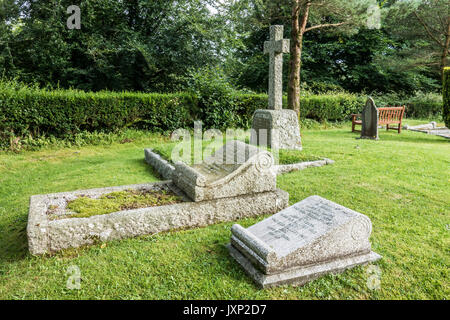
[(401, 182), (85, 207), (295, 156)]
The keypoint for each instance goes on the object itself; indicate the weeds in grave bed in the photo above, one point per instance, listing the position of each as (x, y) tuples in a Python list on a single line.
[(117, 201)]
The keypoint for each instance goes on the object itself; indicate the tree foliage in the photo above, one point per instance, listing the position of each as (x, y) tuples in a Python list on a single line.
[(122, 45), (142, 45), (423, 29), (346, 57)]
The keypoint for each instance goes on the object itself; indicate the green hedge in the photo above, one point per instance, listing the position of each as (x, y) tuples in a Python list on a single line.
[(423, 105), (333, 107), (245, 106), (26, 110), (446, 97), (29, 111)]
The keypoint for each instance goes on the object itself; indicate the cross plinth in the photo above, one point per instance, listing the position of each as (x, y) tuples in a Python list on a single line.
[(275, 48)]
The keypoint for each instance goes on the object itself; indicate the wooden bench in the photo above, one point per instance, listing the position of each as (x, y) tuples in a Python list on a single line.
[(386, 115)]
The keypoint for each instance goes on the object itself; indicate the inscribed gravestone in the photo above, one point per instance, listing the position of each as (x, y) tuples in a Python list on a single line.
[(302, 242), (369, 120)]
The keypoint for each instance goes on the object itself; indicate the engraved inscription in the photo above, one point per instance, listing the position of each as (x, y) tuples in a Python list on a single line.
[(261, 123), (215, 171), (300, 224)]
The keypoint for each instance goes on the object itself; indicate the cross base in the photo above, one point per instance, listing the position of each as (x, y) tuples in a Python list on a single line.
[(276, 129)]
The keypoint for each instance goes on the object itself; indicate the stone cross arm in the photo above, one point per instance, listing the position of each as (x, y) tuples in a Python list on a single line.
[(277, 46)]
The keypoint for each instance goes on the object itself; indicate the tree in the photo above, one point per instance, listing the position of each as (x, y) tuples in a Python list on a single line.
[(424, 28), (9, 13), (136, 45), (304, 17), (309, 15)]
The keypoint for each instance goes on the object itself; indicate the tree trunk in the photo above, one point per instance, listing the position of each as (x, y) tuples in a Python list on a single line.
[(300, 11), (445, 50), (294, 61)]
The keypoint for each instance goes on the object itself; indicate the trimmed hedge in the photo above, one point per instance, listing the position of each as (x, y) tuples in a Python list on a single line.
[(424, 106), (62, 113), (446, 97), (333, 107), (29, 111), (339, 106), (245, 106), (421, 105)]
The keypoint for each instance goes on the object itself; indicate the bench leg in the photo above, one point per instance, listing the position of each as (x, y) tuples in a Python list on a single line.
[(400, 128), (387, 127), (353, 127)]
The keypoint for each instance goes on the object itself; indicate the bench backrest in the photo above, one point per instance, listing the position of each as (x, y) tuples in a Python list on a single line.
[(390, 114)]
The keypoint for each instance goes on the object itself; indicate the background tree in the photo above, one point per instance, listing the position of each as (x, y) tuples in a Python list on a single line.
[(346, 57), (122, 45), (423, 28), (9, 14), (147, 46), (309, 15), (302, 17)]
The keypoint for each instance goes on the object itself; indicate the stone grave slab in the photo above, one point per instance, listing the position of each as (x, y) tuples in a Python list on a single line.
[(431, 128), (300, 243), (235, 169)]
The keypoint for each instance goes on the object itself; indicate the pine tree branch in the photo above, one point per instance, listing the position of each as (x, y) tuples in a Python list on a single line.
[(327, 25), (425, 26)]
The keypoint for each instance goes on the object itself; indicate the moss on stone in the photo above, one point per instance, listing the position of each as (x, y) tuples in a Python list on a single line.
[(122, 200)]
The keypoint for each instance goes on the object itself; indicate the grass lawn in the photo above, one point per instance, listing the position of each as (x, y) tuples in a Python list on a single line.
[(401, 182)]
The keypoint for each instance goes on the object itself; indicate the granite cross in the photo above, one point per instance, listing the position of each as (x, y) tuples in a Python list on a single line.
[(276, 47)]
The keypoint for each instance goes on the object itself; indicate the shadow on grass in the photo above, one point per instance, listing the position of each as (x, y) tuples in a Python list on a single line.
[(148, 168), (229, 267), (14, 242), (409, 137)]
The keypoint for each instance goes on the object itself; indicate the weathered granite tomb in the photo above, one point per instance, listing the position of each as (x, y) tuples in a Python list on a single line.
[(238, 181), (302, 242)]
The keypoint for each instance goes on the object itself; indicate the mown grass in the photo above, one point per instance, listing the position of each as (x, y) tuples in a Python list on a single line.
[(401, 182)]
